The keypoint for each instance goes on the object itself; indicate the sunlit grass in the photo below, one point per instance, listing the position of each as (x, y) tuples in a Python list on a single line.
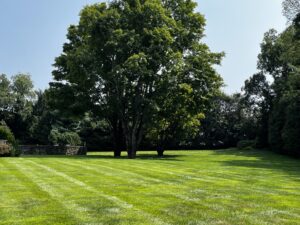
[(185, 187)]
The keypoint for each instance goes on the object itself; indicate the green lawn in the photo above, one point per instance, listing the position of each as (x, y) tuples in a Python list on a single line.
[(186, 187)]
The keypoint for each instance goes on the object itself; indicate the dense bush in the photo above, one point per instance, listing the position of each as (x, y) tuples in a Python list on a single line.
[(71, 138), (246, 144), (6, 134), (12, 147), (64, 138)]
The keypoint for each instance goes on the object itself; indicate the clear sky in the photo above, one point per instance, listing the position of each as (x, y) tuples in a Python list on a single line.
[(32, 33)]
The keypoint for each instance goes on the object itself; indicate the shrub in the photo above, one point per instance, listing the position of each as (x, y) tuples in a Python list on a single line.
[(64, 138), (71, 138), (6, 134), (246, 144), (12, 147)]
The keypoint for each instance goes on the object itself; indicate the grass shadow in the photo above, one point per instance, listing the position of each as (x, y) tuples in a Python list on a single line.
[(261, 159), (110, 156)]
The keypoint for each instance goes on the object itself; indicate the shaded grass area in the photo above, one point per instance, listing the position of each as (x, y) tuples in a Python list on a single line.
[(185, 187)]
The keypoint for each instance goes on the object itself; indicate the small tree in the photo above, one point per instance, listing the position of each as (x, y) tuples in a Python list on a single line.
[(6, 134), (11, 148)]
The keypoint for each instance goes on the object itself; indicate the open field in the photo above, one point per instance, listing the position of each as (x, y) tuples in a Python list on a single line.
[(186, 188)]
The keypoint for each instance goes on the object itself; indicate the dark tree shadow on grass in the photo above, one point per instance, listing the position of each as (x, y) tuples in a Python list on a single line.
[(263, 159), (110, 156)]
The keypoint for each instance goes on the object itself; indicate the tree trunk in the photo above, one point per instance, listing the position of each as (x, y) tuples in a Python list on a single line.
[(132, 147), (117, 153), (133, 135), (119, 140), (131, 153), (160, 151)]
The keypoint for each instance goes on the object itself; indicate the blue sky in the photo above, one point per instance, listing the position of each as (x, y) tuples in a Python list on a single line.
[(32, 33)]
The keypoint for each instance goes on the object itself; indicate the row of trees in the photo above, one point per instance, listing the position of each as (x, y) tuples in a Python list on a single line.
[(269, 104), (267, 111), (16, 102), (27, 113), (278, 103), (134, 73)]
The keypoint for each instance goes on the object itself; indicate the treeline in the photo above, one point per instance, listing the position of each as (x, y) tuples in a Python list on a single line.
[(279, 103), (136, 75), (266, 114), (25, 111), (34, 118)]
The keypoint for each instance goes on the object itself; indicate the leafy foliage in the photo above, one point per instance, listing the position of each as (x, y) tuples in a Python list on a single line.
[(64, 138), (11, 148), (291, 8), (6, 134), (227, 121), (280, 57), (125, 57), (16, 101)]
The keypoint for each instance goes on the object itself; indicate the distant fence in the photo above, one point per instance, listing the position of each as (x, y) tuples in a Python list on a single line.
[(52, 150)]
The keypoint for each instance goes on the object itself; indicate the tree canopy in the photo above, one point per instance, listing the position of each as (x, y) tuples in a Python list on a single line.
[(291, 8), (124, 58)]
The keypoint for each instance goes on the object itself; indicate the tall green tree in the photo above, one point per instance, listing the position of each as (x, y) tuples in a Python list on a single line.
[(17, 97), (257, 99), (124, 55), (280, 57), (41, 120), (6, 100)]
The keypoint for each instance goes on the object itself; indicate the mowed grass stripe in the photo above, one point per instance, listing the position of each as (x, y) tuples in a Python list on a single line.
[(89, 214), (257, 177), (191, 199), (249, 189), (99, 215), (174, 176), (116, 200), (231, 187), (37, 193), (118, 171), (153, 198), (181, 169), (142, 181), (11, 187), (185, 197), (112, 175), (150, 172)]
